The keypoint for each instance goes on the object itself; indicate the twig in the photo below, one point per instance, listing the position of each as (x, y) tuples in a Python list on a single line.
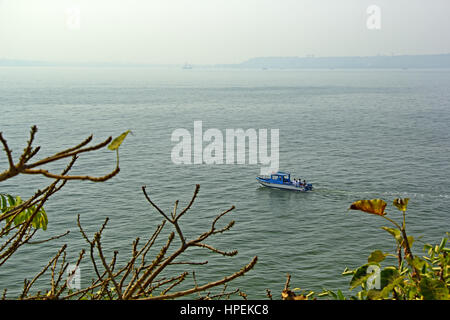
[(206, 286), (49, 239)]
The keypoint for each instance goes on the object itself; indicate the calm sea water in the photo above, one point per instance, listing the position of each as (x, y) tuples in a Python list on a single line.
[(355, 134)]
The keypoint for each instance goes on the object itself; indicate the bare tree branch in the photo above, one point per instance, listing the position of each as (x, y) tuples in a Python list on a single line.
[(136, 278), (243, 271)]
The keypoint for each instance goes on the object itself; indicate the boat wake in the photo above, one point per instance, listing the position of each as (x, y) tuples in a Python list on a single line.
[(381, 194)]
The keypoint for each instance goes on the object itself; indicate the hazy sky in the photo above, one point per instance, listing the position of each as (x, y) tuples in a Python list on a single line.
[(217, 31)]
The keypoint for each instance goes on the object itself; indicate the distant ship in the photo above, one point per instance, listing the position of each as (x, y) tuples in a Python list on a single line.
[(187, 66)]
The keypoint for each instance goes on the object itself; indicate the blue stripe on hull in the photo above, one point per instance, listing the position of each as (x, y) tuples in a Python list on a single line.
[(281, 187)]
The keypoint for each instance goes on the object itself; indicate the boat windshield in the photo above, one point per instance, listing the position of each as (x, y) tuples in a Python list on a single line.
[(281, 177)]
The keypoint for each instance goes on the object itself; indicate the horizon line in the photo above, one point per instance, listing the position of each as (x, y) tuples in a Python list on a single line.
[(30, 62)]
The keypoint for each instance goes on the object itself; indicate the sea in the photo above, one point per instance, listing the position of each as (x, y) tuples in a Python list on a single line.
[(354, 134)]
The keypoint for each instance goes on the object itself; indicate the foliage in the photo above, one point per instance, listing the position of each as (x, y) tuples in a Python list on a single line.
[(413, 278), (115, 144), (375, 206), (288, 294), (9, 203)]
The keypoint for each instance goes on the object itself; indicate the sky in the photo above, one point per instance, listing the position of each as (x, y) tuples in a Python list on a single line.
[(218, 31)]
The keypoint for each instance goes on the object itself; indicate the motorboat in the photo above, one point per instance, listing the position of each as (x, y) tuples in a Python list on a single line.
[(282, 180)]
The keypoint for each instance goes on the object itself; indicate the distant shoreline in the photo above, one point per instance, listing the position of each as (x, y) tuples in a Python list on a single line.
[(431, 61)]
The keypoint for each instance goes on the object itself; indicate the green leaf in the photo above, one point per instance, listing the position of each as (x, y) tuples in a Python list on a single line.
[(374, 294), (328, 293), (376, 257), (443, 243), (395, 233), (115, 144), (361, 295), (389, 287), (412, 292), (39, 221), (410, 242), (11, 201), (418, 263), (401, 204), (347, 272), (44, 219), (433, 289), (3, 203), (340, 295), (360, 277), (388, 275)]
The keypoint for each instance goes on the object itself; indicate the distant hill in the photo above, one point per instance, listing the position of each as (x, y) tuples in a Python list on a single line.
[(379, 62), (371, 62)]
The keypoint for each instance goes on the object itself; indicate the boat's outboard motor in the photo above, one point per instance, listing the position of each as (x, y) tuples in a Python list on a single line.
[(309, 186)]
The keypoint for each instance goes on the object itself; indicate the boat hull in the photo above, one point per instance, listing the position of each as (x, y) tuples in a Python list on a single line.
[(281, 186)]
